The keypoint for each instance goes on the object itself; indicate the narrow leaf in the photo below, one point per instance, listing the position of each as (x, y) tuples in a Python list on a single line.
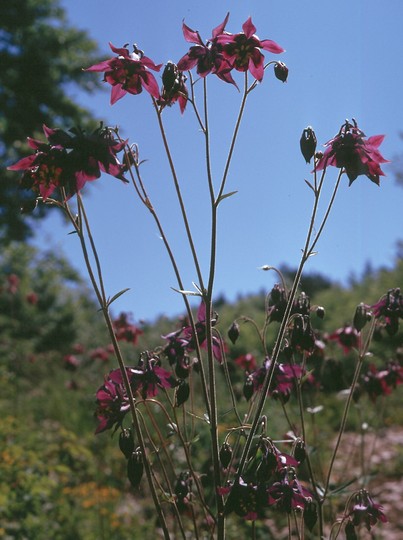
[(116, 296), (225, 196)]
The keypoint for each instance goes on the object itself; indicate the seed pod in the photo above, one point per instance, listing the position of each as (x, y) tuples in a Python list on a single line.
[(126, 442), (233, 332), (135, 468), (182, 393), (281, 71), (308, 143), (225, 455)]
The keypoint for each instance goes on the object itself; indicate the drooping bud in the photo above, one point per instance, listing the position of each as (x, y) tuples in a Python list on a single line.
[(299, 451), (310, 515), (248, 388), (281, 71), (29, 206), (308, 143), (350, 531), (320, 312), (225, 455), (360, 317), (233, 332), (170, 77), (126, 442), (182, 393), (135, 468)]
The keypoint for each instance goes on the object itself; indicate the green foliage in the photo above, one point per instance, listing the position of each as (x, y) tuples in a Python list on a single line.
[(41, 57)]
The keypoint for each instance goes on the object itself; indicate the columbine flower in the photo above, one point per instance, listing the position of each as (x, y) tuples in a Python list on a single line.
[(208, 57), (365, 510), (390, 308), (69, 160), (128, 73), (282, 383), (287, 493), (112, 402), (347, 337), (350, 150), (149, 377), (243, 50), (125, 330)]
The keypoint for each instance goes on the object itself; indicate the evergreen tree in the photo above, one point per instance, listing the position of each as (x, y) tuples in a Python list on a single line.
[(41, 57)]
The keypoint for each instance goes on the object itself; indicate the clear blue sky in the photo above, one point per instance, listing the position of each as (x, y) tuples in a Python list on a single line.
[(345, 60)]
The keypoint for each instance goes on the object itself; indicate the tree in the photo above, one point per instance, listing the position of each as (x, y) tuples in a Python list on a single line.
[(41, 57)]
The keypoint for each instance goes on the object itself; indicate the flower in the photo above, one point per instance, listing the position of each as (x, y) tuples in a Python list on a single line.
[(243, 50), (282, 383), (247, 362), (347, 337), (208, 57), (287, 493), (365, 510), (149, 377), (112, 402), (390, 308), (69, 160), (381, 382), (128, 73), (126, 331), (350, 150)]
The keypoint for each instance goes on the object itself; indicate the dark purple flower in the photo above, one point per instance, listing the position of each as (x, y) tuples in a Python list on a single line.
[(246, 361), (390, 308), (365, 511), (243, 50), (112, 402), (283, 380), (350, 150), (125, 330), (347, 337), (149, 377), (128, 73), (69, 160), (381, 382), (208, 57), (288, 493)]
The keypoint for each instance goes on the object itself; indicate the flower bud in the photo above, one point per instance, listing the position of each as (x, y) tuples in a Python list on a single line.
[(248, 388), (310, 515), (281, 71), (233, 332), (135, 468), (225, 455), (360, 317), (299, 451), (350, 531), (308, 143), (320, 312), (170, 77), (126, 443), (182, 393)]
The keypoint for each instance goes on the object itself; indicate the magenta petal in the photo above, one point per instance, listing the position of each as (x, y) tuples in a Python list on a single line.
[(201, 312), (186, 63), (102, 66), (24, 163), (375, 140), (46, 191), (257, 70), (117, 93), (220, 28), (150, 64), (121, 51), (192, 36), (271, 46), (150, 84), (249, 28)]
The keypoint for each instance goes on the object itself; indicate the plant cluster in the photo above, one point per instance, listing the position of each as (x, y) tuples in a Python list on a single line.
[(201, 450)]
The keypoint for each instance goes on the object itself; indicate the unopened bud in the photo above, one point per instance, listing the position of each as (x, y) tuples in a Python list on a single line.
[(225, 455), (310, 515), (135, 468), (248, 388), (281, 71), (308, 143), (233, 332), (170, 76), (126, 443), (320, 312), (299, 451), (182, 393), (360, 317)]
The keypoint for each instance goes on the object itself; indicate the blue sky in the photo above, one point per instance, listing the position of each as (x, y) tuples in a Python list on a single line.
[(345, 60)]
